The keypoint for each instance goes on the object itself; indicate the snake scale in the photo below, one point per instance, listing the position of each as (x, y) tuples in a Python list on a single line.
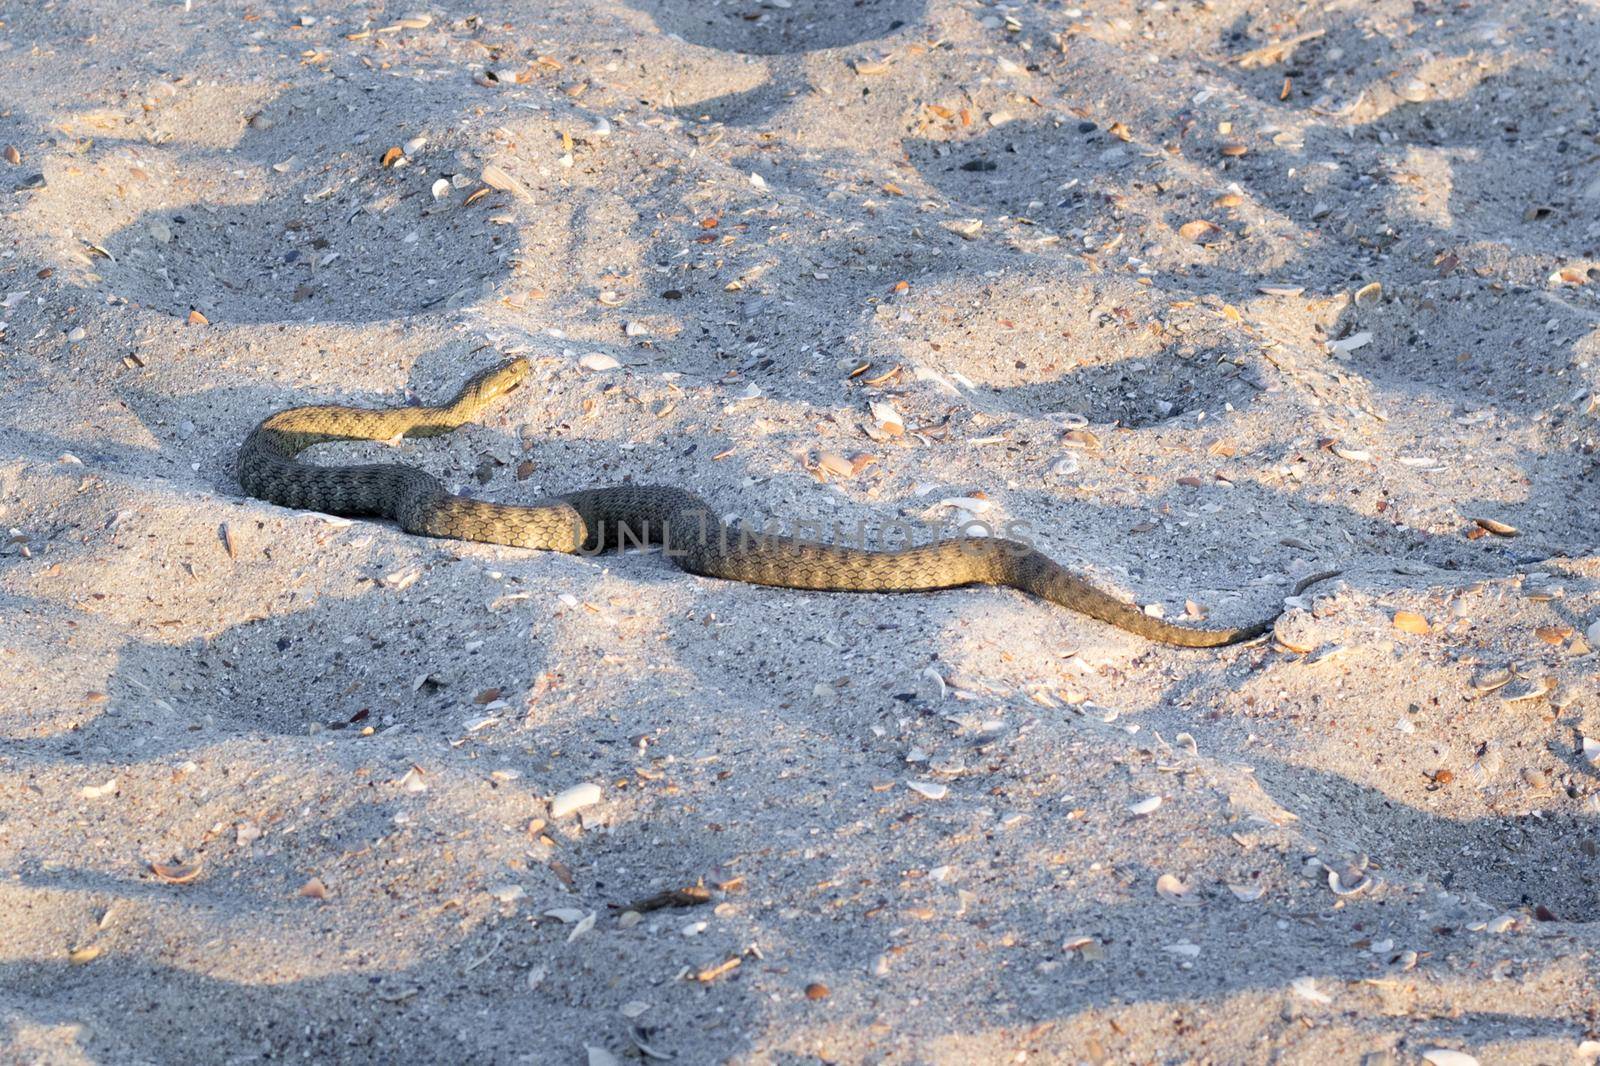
[(599, 519)]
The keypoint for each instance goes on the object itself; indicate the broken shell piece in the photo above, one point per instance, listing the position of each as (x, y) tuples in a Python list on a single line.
[(1306, 988), (1443, 1056), (1523, 689), (1248, 893), (887, 418), (598, 362), (1499, 529), (176, 873), (1411, 622), (1353, 883), (966, 228), (1145, 806), (496, 178), (1171, 889), (1086, 948), (1490, 679), (573, 799), (1414, 90), (1591, 751), (1350, 343), (929, 789), (1199, 231)]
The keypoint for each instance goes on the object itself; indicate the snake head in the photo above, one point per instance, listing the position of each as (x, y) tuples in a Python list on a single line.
[(498, 380)]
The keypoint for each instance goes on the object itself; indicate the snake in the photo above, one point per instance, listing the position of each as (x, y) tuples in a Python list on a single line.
[(600, 519)]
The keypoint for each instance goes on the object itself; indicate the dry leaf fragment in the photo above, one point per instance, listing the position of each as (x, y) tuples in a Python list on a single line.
[(1119, 131)]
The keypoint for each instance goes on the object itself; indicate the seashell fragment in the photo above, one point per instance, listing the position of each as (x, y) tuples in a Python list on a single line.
[(1350, 343), (1145, 806), (1199, 231), (1442, 1056), (1414, 90), (1306, 988), (496, 178), (94, 792), (573, 799), (929, 789), (1354, 885), (598, 362), (1411, 622), (1171, 889), (1528, 689), (1499, 529), (1490, 679), (888, 419), (176, 873), (1248, 893)]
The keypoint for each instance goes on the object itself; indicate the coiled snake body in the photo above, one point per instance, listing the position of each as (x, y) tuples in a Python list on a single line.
[(599, 519)]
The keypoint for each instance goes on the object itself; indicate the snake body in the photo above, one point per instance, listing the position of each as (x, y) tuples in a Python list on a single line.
[(595, 520)]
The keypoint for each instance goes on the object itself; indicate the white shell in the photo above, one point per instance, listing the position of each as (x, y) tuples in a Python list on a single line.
[(1145, 806), (1351, 343), (574, 799), (1443, 1056), (1306, 988), (598, 361), (1169, 888)]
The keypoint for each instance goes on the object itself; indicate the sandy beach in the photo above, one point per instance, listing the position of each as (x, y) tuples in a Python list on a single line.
[(1209, 297)]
